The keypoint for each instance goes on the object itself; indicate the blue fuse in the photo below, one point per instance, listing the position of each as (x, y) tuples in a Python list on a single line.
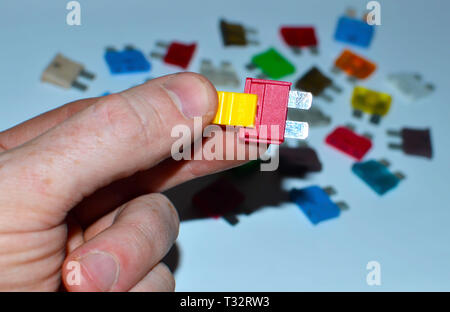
[(354, 31), (377, 175), (316, 204), (130, 60)]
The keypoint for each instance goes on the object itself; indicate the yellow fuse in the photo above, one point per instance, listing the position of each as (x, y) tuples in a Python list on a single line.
[(371, 102), (236, 109)]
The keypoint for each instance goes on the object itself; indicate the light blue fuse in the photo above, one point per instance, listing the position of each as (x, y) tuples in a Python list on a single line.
[(354, 31), (377, 175), (130, 60), (316, 204)]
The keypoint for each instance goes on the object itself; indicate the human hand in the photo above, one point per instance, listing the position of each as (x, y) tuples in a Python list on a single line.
[(75, 185)]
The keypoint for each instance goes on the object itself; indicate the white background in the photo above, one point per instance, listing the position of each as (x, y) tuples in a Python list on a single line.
[(276, 248)]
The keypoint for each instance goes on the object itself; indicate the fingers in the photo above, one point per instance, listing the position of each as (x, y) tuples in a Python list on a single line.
[(167, 174), (159, 279), (32, 128), (111, 139), (121, 256)]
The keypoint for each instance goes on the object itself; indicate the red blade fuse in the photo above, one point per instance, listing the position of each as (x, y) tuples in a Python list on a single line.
[(274, 99), (349, 142), (298, 37), (177, 53)]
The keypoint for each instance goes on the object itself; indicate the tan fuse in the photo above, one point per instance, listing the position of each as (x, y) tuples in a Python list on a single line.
[(64, 72)]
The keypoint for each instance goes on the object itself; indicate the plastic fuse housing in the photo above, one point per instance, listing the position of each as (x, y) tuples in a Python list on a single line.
[(223, 75), (354, 65), (130, 60), (411, 85), (315, 204), (64, 72), (299, 36), (417, 142), (314, 81), (180, 54), (273, 64), (370, 101), (354, 31), (262, 111), (348, 142), (271, 114), (235, 34), (376, 175), (413, 141), (175, 53), (236, 109)]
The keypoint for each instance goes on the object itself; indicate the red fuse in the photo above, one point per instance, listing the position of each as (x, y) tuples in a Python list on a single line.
[(348, 142), (274, 98), (178, 54), (299, 37)]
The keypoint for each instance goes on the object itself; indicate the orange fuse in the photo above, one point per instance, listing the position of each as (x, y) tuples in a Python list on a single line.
[(354, 65)]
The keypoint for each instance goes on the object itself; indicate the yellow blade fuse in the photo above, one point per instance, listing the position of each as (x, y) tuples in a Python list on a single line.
[(236, 109), (374, 103)]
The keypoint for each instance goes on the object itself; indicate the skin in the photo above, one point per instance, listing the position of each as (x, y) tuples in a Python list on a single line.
[(82, 183)]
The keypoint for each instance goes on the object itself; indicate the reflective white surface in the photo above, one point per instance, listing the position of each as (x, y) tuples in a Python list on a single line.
[(276, 248)]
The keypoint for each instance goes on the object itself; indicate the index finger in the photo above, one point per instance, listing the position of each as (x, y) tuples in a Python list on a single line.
[(34, 127), (111, 139)]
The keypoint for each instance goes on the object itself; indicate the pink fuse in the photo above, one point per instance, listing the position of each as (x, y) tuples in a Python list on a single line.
[(274, 99)]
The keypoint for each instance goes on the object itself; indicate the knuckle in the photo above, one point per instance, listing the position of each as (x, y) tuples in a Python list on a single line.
[(163, 210), (171, 211), (156, 106), (123, 118), (152, 223)]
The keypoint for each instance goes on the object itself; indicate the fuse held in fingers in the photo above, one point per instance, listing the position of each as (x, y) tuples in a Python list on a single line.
[(274, 99), (261, 111)]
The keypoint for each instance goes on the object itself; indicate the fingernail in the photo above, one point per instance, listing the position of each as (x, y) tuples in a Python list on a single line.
[(190, 93), (102, 268)]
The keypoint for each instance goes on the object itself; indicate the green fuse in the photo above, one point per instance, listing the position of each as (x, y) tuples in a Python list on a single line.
[(272, 64)]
